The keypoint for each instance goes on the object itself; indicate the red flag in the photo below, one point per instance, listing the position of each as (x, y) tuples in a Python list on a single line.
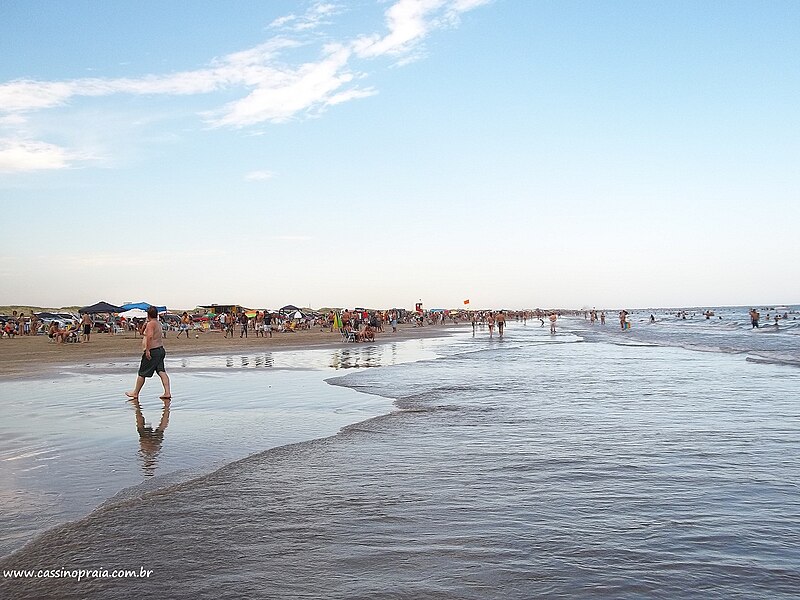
[(466, 301)]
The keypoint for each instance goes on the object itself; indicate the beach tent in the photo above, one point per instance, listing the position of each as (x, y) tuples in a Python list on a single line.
[(143, 306), (289, 308), (100, 307), (47, 315)]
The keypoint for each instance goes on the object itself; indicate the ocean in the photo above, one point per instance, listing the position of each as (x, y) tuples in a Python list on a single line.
[(658, 462)]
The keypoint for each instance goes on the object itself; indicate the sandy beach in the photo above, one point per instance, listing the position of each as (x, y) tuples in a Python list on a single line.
[(31, 355)]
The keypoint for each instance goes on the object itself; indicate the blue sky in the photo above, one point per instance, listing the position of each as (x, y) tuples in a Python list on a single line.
[(514, 153)]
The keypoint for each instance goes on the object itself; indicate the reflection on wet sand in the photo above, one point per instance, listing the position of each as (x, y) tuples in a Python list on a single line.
[(365, 356), (150, 439), (256, 361), (263, 360), (348, 357)]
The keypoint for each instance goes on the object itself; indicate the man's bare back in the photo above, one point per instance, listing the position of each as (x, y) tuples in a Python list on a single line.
[(153, 337)]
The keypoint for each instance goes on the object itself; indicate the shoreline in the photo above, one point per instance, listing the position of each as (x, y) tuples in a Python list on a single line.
[(36, 356), (289, 396)]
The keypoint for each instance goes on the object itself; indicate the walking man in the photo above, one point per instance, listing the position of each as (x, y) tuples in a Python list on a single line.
[(153, 356)]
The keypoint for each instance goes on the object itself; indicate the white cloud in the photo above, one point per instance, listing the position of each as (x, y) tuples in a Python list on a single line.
[(282, 21), (277, 91), (259, 175), (352, 94), (318, 14), (27, 155), (240, 68), (285, 94), (13, 120), (407, 21)]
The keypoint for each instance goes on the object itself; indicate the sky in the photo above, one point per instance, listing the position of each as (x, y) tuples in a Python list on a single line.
[(514, 153)]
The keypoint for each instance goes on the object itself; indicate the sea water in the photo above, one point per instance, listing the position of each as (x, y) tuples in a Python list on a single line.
[(69, 438), (583, 464)]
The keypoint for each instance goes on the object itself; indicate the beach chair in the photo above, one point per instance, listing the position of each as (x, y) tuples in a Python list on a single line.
[(348, 336)]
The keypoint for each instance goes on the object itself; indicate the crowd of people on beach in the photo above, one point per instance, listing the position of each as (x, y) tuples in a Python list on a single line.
[(357, 324)]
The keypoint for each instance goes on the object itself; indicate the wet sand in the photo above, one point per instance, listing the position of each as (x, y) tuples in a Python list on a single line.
[(32, 355)]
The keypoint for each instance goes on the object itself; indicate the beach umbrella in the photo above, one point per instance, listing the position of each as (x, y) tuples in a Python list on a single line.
[(134, 313), (143, 306), (100, 307)]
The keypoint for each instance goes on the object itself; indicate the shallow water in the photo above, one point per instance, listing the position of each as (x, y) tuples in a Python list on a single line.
[(69, 441), (729, 330), (535, 466)]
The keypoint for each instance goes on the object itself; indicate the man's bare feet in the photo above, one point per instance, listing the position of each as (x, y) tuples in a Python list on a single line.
[(132, 395), (166, 397)]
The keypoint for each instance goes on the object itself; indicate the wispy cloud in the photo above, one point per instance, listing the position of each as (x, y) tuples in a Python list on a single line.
[(277, 90), (284, 94), (259, 175), (23, 155), (318, 14), (408, 21), (12, 120)]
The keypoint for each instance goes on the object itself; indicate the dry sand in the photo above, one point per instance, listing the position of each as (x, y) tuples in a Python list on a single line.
[(31, 355)]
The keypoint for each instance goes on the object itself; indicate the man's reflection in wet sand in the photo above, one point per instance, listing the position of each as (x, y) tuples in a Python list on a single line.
[(150, 439)]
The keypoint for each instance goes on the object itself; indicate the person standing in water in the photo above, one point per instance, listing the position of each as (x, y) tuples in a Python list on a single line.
[(754, 317), (490, 323), (553, 319), (153, 356), (501, 322)]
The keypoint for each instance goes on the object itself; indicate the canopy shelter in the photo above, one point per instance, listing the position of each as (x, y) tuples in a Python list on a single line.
[(45, 315), (218, 309), (143, 306), (100, 307), (288, 309)]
